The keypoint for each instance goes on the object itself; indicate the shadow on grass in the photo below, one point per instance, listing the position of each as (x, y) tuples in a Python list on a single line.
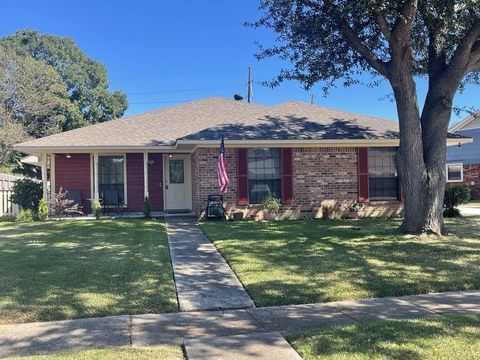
[(60, 270), (317, 261)]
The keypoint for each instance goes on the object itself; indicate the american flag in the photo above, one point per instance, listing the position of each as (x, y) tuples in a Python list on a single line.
[(223, 181)]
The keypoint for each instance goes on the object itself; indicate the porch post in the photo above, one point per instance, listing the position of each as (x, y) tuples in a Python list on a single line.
[(44, 176), (145, 174), (95, 177), (52, 174)]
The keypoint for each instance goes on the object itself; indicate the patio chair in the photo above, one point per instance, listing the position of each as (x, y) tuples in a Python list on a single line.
[(78, 206), (215, 209), (111, 200)]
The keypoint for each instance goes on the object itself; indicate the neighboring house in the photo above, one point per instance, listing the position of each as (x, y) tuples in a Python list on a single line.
[(463, 162), (306, 154)]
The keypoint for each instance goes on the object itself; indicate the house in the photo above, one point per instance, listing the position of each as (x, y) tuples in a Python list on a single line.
[(306, 154), (463, 162)]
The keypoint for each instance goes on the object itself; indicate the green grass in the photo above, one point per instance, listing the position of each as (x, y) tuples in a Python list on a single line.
[(164, 352), (452, 337), (74, 269), (293, 262)]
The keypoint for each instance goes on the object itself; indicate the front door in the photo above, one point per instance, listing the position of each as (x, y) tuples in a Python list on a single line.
[(178, 183)]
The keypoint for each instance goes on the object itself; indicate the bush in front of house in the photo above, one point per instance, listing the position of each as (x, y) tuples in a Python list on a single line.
[(25, 216), (42, 212), (271, 204), (454, 196), (96, 209), (27, 193), (147, 207), (60, 205)]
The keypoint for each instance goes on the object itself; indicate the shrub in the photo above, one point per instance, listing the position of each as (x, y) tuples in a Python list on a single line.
[(61, 205), (147, 207), (272, 204), (454, 196), (25, 216), (354, 207), (96, 209), (27, 194), (42, 212), (327, 211)]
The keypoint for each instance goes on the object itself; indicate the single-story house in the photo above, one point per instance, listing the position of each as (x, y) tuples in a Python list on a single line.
[(305, 154), (463, 162)]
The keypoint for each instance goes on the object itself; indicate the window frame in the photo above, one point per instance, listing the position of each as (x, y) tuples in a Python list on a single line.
[(370, 177), (279, 194), (124, 156), (461, 172)]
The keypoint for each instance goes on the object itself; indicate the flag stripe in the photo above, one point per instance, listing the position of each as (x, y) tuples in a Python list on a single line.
[(223, 180)]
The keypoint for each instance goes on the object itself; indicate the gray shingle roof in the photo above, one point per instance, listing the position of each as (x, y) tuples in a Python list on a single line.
[(209, 118)]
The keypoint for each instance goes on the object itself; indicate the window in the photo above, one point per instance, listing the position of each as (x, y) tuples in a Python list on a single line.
[(382, 174), (263, 174), (454, 172), (111, 175)]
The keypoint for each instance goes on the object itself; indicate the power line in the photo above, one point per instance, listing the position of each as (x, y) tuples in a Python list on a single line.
[(175, 74), (184, 90)]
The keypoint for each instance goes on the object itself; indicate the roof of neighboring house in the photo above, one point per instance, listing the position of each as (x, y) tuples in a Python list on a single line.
[(208, 119), (472, 121)]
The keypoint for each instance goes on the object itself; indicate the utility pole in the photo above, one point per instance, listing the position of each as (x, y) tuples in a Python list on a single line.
[(249, 85), (312, 99)]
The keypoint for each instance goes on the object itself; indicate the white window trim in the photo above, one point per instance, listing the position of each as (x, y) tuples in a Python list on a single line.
[(124, 155), (461, 172)]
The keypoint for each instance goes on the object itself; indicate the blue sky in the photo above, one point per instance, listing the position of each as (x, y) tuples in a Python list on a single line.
[(166, 52)]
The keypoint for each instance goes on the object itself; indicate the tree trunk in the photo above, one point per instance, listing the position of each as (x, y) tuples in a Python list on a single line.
[(421, 155)]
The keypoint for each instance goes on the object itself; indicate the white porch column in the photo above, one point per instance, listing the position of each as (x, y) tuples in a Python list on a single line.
[(95, 177), (52, 174), (145, 174), (44, 176)]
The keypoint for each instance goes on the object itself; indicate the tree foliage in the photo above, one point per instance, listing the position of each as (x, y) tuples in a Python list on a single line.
[(395, 40), (27, 193), (85, 79)]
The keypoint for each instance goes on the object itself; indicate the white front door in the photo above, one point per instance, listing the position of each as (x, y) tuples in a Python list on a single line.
[(178, 182)]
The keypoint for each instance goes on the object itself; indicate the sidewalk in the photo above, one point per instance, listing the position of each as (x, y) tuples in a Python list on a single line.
[(253, 324), (203, 279)]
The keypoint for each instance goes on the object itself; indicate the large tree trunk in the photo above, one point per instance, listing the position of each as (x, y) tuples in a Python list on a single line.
[(421, 155)]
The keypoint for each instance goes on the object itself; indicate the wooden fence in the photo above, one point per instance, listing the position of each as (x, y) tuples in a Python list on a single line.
[(7, 208)]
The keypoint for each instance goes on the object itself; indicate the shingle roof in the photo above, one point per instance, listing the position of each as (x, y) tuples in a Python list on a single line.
[(209, 118)]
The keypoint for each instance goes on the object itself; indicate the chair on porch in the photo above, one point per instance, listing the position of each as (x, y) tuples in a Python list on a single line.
[(75, 196), (215, 209), (111, 199)]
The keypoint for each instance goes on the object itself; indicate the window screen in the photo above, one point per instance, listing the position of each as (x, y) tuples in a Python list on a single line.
[(111, 175), (382, 174), (264, 176)]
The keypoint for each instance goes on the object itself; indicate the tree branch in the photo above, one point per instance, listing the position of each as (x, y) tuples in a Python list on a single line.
[(402, 28), (383, 25), (460, 62)]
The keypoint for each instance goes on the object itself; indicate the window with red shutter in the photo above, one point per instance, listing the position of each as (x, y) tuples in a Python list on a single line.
[(242, 177), (287, 176)]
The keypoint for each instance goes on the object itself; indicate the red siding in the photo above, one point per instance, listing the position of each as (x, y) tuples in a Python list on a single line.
[(155, 181), (362, 160), (135, 189), (242, 177), (287, 176), (73, 174)]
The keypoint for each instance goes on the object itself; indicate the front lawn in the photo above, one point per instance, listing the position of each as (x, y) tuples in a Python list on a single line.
[(164, 352), (75, 269), (451, 337), (293, 262)]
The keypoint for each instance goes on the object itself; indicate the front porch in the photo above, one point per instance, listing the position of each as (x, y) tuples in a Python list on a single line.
[(121, 181)]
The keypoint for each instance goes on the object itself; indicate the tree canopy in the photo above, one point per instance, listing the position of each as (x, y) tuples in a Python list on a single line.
[(398, 40), (85, 79)]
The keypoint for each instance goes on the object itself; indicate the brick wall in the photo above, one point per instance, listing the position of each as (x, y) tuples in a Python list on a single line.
[(204, 177), (320, 176), (471, 178)]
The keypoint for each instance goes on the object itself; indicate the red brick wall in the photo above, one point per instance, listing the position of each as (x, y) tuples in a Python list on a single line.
[(73, 174), (320, 176), (135, 188), (471, 178)]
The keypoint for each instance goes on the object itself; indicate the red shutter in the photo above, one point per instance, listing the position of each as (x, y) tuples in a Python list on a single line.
[(287, 175), (362, 172), (242, 176)]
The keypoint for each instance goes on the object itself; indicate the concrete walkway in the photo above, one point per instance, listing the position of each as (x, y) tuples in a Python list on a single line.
[(215, 332), (203, 279)]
